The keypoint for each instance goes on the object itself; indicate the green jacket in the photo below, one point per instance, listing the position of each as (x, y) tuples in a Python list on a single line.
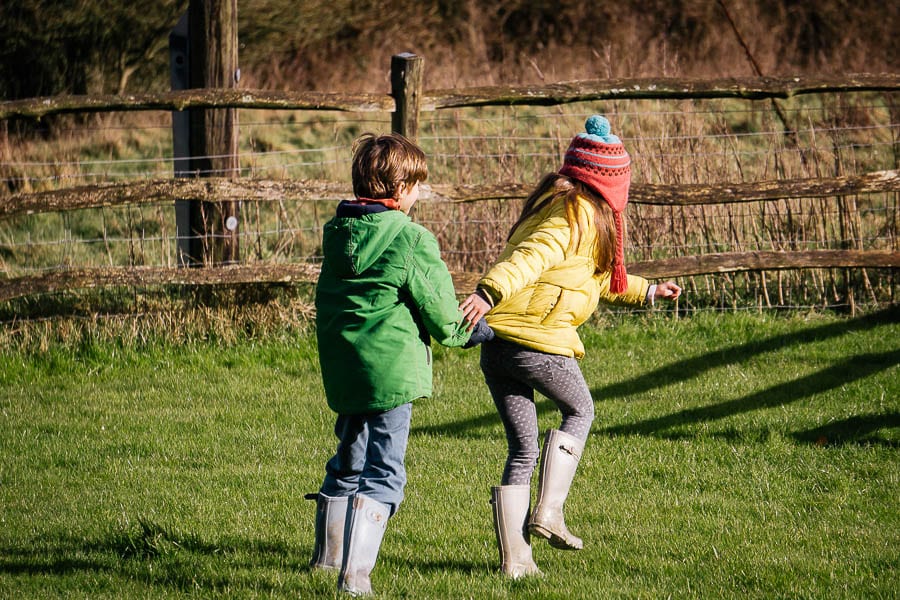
[(383, 293)]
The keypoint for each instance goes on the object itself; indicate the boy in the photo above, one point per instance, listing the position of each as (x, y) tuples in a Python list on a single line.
[(382, 294)]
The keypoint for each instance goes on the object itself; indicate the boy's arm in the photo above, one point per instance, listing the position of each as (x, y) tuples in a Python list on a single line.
[(431, 288)]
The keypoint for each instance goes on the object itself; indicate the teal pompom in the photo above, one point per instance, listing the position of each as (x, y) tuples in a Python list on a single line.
[(597, 129), (597, 125)]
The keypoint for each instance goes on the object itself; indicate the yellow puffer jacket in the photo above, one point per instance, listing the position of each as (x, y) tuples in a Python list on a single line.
[(542, 290)]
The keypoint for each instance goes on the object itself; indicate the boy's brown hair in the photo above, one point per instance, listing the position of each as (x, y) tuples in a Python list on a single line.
[(382, 162)]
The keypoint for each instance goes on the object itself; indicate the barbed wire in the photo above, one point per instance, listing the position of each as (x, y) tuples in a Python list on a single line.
[(633, 249), (456, 137), (534, 113), (169, 159)]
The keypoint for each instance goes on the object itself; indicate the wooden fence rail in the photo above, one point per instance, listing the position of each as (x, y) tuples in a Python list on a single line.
[(266, 190), (220, 189), (755, 88), (72, 279)]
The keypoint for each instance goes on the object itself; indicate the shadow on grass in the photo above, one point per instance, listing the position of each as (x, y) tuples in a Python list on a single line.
[(448, 565), (854, 368), (158, 556), (468, 428), (695, 367), (858, 429)]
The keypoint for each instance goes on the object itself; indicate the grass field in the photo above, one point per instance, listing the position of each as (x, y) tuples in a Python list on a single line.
[(733, 456)]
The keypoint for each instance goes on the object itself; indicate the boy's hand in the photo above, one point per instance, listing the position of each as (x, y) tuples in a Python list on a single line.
[(474, 308), (667, 290)]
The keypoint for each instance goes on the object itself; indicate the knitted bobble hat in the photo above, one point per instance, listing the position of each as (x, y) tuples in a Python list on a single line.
[(598, 159)]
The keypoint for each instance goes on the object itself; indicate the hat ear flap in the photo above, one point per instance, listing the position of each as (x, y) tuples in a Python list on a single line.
[(618, 282)]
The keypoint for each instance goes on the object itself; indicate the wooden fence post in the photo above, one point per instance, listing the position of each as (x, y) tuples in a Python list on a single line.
[(187, 246), (406, 88), (214, 132)]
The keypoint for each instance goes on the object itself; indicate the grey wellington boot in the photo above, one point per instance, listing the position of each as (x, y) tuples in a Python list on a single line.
[(364, 531), (331, 515), (559, 460), (510, 507)]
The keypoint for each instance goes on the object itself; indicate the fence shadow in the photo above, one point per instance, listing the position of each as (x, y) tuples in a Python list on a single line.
[(858, 429), (159, 556), (694, 367), (854, 368)]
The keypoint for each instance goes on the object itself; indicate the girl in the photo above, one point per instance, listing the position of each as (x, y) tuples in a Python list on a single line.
[(564, 254)]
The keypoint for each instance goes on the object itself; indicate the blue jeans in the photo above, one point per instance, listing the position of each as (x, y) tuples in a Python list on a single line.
[(370, 456)]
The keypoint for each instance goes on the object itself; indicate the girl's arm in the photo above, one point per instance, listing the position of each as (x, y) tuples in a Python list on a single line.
[(638, 292)]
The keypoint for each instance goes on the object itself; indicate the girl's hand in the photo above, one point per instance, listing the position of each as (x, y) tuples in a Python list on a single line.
[(667, 290), (473, 308)]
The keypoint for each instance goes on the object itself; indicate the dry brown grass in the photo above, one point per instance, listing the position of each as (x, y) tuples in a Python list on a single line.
[(131, 318), (345, 46)]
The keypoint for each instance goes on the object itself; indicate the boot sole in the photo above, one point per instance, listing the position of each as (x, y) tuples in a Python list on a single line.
[(553, 539)]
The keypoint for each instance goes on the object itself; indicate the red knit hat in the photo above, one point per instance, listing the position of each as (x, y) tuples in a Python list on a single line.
[(598, 159)]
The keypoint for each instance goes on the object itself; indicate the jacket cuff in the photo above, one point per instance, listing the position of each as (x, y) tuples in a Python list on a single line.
[(485, 295), (651, 294)]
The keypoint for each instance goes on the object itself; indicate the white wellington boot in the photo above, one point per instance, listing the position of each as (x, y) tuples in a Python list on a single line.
[(510, 507), (365, 527), (331, 515), (559, 460)]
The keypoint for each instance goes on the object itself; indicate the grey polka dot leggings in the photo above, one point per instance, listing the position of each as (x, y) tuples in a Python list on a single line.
[(513, 373)]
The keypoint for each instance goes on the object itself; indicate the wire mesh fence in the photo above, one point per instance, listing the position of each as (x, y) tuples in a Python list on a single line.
[(670, 142)]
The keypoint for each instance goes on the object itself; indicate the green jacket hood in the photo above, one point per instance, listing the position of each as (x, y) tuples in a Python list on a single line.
[(355, 243), (382, 296)]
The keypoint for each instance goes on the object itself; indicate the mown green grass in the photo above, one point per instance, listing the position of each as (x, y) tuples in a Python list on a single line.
[(733, 456)]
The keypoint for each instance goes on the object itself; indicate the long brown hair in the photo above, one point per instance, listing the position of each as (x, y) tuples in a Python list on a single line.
[(555, 187)]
